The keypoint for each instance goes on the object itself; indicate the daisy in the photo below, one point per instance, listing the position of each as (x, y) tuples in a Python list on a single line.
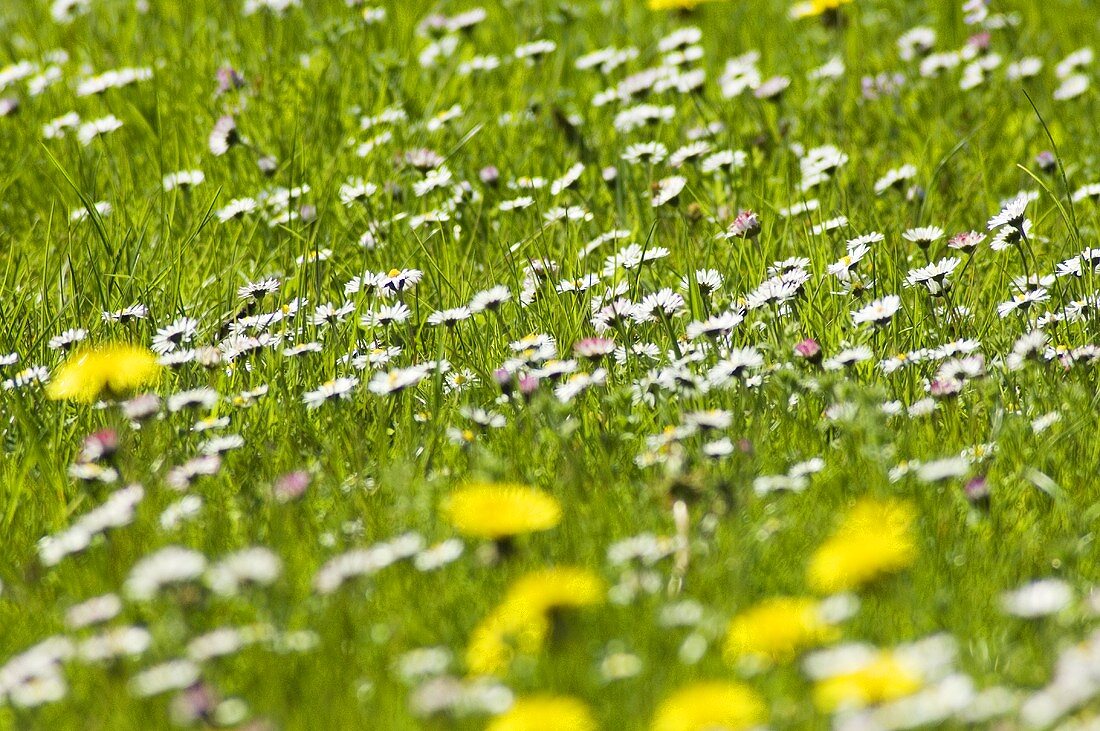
[(223, 136), (923, 236), (688, 152), (1022, 302), (386, 315), (933, 276), (567, 180), (258, 290), (847, 357), (618, 314), (716, 326), (397, 280), (665, 301), (338, 388), (184, 180), (746, 225), (89, 131), (895, 178), (709, 281), (579, 382), (355, 190), (170, 337), (734, 365), (67, 339), (842, 268), (594, 349), (1011, 215), (397, 380), (236, 208), (1007, 236), (490, 299), (329, 314), (772, 88), (667, 190), (204, 398), (450, 317), (966, 242), (650, 152), (728, 160), (879, 312)]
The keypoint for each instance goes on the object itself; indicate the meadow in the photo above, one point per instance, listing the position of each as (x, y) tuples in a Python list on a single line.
[(549, 366)]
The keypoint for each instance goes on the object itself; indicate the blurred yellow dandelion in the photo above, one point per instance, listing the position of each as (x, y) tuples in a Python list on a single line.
[(545, 713), (507, 631), (108, 371), (710, 705), (813, 8), (501, 510), (775, 630), (673, 4), (556, 588), (874, 539), (521, 623), (884, 678)]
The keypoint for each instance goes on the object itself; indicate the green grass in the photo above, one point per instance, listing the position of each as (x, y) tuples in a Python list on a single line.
[(380, 465)]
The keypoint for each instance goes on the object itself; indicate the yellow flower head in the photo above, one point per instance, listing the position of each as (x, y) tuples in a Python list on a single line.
[(883, 679), (506, 632), (111, 370), (556, 588), (813, 8), (673, 4), (500, 510), (874, 539), (775, 630), (545, 713), (520, 624), (710, 705)]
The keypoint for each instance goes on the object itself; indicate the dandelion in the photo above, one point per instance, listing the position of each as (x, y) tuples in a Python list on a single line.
[(883, 677), (500, 510), (522, 621), (775, 630), (710, 705), (873, 539), (109, 371), (545, 713)]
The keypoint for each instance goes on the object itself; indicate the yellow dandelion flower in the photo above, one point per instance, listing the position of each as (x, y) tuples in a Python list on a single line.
[(507, 631), (883, 679), (673, 4), (813, 8), (110, 371), (776, 630), (545, 713), (501, 510), (710, 705), (520, 624), (556, 588), (874, 539)]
